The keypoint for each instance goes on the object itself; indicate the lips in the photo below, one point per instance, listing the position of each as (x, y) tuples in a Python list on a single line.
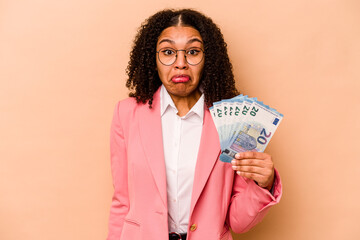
[(180, 78)]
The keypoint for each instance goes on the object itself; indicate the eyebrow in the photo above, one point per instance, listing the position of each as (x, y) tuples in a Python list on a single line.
[(173, 42), (195, 40)]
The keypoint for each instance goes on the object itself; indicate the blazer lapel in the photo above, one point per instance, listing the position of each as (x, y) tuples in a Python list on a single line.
[(208, 153), (151, 138)]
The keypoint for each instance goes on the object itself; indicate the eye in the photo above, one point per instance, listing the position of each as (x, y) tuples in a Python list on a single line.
[(193, 51), (168, 52)]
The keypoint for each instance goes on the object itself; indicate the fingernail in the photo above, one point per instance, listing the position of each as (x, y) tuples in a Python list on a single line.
[(233, 162), (237, 155), (234, 167)]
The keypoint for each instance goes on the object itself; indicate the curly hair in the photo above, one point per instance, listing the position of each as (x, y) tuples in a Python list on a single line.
[(217, 79)]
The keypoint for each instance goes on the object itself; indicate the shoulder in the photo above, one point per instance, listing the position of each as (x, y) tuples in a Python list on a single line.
[(130, 103), (124, 113), (127, 108), (127, 103)]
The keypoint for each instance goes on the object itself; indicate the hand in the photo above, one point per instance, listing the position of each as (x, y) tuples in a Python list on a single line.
[(257, 166)]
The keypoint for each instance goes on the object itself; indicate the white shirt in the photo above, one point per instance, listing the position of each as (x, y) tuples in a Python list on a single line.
[(181, 140)]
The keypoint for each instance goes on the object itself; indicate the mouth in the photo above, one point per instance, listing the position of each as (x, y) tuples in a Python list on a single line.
[(180, 78)]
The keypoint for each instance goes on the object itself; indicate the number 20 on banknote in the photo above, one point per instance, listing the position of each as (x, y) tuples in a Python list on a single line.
[(254, 132)]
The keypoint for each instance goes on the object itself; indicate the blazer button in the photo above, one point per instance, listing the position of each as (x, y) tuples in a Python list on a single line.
[(193, 227)]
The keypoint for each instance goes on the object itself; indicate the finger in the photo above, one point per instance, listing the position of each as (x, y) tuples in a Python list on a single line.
[(249, 162), (261, 180), (253, 176), (251, 155), (251, 169)]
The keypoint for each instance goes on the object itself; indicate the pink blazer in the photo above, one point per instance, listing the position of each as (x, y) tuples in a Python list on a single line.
[(220, 198)]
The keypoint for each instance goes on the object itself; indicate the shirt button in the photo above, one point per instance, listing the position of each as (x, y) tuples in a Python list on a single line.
[(193, 227)]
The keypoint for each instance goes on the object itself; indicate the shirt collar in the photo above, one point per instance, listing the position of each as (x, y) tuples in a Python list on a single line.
[(166, 102)]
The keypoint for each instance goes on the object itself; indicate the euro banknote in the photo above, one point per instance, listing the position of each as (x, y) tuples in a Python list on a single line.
[(243, 124)]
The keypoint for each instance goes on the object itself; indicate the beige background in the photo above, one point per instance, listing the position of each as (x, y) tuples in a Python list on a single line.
[(62, 69)]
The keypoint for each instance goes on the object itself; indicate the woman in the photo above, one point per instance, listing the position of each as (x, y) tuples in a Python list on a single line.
[(168, 181)]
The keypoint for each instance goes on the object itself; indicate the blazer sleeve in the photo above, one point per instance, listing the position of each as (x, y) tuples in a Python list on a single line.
[(120, 200), (250, 203)]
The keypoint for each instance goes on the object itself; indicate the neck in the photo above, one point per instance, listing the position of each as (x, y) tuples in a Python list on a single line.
[(184, 104)]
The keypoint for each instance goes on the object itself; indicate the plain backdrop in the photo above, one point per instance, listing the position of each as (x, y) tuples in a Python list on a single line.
[(62, 70)]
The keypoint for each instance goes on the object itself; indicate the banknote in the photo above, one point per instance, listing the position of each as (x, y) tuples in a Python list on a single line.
[(244, 124)]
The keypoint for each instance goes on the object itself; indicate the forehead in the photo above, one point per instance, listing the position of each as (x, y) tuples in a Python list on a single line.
[(179, 34)]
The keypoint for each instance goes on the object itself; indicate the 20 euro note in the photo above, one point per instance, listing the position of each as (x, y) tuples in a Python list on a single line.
[(217, 113), (226, 113), (254, 132)]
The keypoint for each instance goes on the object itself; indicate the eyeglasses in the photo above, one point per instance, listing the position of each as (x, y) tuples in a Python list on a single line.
[(168, 56)]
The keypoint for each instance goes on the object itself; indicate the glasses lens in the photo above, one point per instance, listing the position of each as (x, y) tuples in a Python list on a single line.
[(193, 56), (167, 56)]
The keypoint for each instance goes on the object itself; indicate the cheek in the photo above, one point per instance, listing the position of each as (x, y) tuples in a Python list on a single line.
[(199, 71), (162, 72), (158, 67)]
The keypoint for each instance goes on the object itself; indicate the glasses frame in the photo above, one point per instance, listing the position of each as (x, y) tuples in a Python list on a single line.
[(176, 55)]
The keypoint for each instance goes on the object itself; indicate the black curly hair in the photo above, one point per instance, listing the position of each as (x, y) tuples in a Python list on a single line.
[(217, 78)]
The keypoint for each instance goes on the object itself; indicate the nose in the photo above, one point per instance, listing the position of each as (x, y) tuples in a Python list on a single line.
[(181, 62)]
